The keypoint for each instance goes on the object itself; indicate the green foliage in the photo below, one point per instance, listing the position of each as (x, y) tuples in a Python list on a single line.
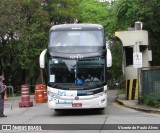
[(150, 100), (33, 38), (31, 21), (129, 11), (126, 13), (25, 24), (117, 57), (151, 13), (93, 11), (31, 24), (63, 11), (9, 16)]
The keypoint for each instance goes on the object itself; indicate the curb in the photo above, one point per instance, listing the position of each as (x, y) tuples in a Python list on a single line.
[(138, 108)]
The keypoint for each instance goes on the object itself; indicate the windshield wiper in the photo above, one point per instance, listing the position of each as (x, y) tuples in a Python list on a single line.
[(55, 85), (52, 85)]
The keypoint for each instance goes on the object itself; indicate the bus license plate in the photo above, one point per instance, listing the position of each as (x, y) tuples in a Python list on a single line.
[(76, 104)]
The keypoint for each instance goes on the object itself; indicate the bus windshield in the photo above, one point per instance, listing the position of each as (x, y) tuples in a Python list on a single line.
[(76, 38), (76, 72)]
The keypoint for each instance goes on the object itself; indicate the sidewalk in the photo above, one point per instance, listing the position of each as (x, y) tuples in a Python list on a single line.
[(134, 105)]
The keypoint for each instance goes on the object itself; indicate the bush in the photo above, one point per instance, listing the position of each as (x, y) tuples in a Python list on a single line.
[(150, 100)]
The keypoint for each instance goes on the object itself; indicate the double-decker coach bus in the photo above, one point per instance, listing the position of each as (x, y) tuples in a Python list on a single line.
[(76, 61)]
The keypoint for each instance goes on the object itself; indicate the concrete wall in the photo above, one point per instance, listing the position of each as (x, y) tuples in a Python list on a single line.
[(129, 38), (135, 39)]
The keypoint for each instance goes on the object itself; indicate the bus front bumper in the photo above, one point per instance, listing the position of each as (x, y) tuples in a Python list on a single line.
[(97, 102)]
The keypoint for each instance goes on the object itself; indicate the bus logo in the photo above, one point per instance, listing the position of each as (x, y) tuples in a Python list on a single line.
[(61, 93)]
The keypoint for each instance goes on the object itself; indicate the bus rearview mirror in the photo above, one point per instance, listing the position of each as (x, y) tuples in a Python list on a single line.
[(109, 58)]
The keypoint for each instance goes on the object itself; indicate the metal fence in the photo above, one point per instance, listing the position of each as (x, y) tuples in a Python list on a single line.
[(150, 81), (10, 93)]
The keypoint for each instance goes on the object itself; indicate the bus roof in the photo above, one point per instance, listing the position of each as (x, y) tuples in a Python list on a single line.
[(76, 26)]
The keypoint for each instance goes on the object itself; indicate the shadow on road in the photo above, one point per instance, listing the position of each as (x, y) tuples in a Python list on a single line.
[(77, 112)]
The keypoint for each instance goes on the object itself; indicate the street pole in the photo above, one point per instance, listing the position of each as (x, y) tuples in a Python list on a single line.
[(41, 75)]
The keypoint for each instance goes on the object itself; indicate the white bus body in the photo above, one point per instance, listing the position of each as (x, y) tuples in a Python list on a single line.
[(75, 53)]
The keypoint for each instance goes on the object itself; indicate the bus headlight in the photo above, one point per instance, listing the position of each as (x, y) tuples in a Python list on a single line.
[(105, 91), (102, 101)]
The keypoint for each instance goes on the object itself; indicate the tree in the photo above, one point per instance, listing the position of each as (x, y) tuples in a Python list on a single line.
[(33, 39), (150, 10), (63, 11), (23, 36), (126, 12), (93, 11), (130, 11), (9, 24), (24, 29)]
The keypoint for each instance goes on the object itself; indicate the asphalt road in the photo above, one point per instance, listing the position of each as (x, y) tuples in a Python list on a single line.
[(113, 114)]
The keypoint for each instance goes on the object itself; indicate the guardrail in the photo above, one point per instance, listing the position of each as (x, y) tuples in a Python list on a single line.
[(10, 92)]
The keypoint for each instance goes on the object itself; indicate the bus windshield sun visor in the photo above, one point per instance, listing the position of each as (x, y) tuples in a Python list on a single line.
[(70, 86)]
